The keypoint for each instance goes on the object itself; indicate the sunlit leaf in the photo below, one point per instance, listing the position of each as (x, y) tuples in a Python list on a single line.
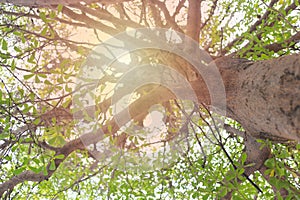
[(4, 44), (52, 165)]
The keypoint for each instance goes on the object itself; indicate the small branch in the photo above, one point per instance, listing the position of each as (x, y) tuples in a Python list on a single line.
[(170, 20), (227, 154), (235, 131), (252, 28), (211, 13)]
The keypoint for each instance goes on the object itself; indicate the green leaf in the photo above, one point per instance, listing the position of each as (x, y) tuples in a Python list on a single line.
[(243, 157), (26, 109), (43, 16), (61, 140), (26, 161), (66, 103), (8, 158), (241, 171), (44, 31), (37, 161), (60, 156), (42, 75), (26, 77), (67, 89), (14, 148), (28, 139), (45, 172), (52, 141), (57, 140), (35, 169), (205, 197), (109, 128), (52, 14), (223, 192), (52, 165), (270, 163), (31, 58), (3, 136), (37, 80), (16, 33), (238, 198), (17, 49), (32, 96), (37, 121), (4, 44), (13, 65), (230, 176), (47, 82), (59, 8), (19, 170)]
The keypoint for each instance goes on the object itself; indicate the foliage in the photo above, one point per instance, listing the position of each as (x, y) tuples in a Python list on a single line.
[(40, 58)]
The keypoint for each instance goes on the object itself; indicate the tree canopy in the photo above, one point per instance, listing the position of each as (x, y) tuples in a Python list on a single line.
[(149, 99)]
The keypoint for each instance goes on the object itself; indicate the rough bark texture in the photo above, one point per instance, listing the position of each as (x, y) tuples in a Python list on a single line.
[(264, 96)]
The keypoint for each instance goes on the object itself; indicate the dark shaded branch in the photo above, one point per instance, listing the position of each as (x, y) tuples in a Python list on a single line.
[(275, 47), (251, 29), (256, 156), (286, 44), (31, 176), (89, 21), (46, 3), (102, 14)]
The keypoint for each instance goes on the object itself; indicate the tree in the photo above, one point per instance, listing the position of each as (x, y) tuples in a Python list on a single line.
[(76, 117)]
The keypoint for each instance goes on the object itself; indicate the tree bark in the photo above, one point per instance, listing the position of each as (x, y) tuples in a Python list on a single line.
[(264, 96), (42, 3)]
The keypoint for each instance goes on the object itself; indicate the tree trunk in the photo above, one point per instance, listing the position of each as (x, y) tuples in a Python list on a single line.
[(264, 96)]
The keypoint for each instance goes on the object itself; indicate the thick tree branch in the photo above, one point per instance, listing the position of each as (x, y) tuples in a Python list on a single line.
[(277, 46), (46, 3), (286, 44), (194, 20)]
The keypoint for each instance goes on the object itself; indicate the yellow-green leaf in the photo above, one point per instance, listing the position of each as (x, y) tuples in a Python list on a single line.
[(52, 165)]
